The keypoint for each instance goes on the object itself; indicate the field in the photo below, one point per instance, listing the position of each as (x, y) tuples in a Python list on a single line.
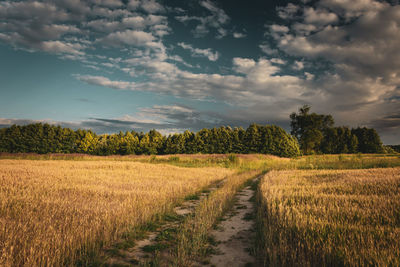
[(53, 211), (331, 217), (59, 209)]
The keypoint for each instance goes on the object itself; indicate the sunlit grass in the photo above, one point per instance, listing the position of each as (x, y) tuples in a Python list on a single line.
[(330, 217), (53, 212), (242, 162)]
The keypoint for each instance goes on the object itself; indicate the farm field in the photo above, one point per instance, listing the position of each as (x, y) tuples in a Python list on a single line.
[(243, 162), (202, 133), (330, 217), (52, 212), (59, 209)]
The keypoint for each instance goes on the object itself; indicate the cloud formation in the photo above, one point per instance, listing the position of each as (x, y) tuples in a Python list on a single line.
[(197, 52), (103, 81), (337, 55), (359, 41), (81, 27), (217, 19)]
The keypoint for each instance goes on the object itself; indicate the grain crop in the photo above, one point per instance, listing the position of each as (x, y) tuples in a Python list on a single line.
[(54, 212), (330, 218)]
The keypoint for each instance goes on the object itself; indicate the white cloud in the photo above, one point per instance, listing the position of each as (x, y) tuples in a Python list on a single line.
[(128, 37), (180, 59), (298, 65), (352, 8), (196, 52), (104, 25), (243, 65), (267, 49), (133, 4), (108, 3), (278, 28), (239, 35), (217, 20), (51, 25), (319, 16), (60, 47), (309, 76), (151, 6), (99, 11), (259, 82), (288, 12), (278, 61), (29, 36), (103, 81), (369, 45), (362, 55), (304, 29), (154, 24), (219, 13), (26, 10)]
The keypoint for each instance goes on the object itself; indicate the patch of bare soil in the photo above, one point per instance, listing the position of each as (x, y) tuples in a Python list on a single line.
[(235, 235)]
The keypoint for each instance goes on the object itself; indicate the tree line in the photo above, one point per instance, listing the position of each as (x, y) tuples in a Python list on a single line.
[(311, 134), (316, 134), (395, 148), (44, 138)]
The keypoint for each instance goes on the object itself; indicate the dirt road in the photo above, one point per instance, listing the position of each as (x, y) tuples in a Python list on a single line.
[(235, 235)]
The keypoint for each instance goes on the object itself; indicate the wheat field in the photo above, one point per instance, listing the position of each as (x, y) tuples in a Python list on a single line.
[(52, 212), (330, 217)]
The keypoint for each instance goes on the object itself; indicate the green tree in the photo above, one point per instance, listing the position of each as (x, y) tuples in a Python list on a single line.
[(238, 136), (129, 144), (276, 141), (253, 139), (308, 128), (206, 139), (368, 140), (87, 143), (339, 140)]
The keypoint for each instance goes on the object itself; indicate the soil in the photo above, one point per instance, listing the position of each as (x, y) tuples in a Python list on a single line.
[(235, 236)]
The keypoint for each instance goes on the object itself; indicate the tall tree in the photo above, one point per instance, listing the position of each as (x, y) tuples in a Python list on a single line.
[(368, 140), (308, 128)]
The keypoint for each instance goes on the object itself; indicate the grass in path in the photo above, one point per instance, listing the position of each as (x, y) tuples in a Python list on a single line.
[(193, 236)]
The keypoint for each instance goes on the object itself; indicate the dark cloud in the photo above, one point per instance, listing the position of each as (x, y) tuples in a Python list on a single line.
[(396, 116), (388, 127), (165, 118), (352, 106), (388, 122)]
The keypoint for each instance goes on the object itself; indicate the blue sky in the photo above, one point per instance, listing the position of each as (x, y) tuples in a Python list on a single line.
[(113, 65)]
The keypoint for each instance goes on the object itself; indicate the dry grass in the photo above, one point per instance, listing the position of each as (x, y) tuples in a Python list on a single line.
[(330, 217), (243, 162), (53, 212)]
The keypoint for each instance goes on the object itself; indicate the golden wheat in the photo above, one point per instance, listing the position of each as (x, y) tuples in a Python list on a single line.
[(331, 217), (53, 211)]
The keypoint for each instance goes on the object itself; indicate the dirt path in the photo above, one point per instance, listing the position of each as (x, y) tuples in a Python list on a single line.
[(235, 235), (156, 241)]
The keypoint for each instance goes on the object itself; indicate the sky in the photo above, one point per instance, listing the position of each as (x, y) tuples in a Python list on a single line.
[(172, 65)]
